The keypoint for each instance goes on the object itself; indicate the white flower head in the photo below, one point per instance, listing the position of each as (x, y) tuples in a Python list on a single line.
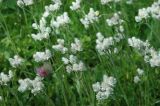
[(16, 61), (22, 3), (4, 78), (105, 88), (76, 46), (75, 5), (136, 79), (60, 20), (90, 18), (42, 56)]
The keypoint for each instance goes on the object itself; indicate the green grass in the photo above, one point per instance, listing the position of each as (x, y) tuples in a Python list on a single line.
[(75, 89)]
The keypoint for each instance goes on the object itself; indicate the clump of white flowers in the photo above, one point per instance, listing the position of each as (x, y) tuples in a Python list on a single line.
[(75, 5), (154, 59), (73, 64), (35, 86), (42, 28), (60, 46), (16, 61), (150, 55), (105, 88), (139, 44), (90, 18), (42, 56), (52, 7), (103, 45), (4, 78), (103, 2), (142, 14), (44, 31), (76, 46), (138, 76), (152, 11), (60, 20), (115, 20), (22, 3)]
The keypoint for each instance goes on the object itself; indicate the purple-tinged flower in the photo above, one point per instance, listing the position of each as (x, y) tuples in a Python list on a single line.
[(44, 70)]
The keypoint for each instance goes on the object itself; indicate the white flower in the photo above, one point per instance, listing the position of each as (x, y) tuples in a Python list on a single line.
[(90, 18), (96, 87), (140, 72), (105, 88), (65, 60), (152, 11), (60, 20), (102, 44), (24, 84), (44, 31), (76, 46), (137, 43), (16, 61), (114, 20), (24, 2), (52, 7), (155, 59), (136, 79), (142, 14), (60, 46), (42, 56), (35, 85), (75, 5), (72, 59), (4, 78), (73, 64)]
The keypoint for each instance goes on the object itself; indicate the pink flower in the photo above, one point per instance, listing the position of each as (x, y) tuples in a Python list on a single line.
[(42, 72)]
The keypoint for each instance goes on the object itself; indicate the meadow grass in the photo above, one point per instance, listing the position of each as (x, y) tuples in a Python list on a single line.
[(75, 88)]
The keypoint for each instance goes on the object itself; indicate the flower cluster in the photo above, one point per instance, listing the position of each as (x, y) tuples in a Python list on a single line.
[(75, 5), (22, 3), (44, 31), (76, 46), (72, 64), (4, 78), (60, 20), (35, 85), (152, 11), (103, 2), (150, 55), (42, 28), (115, 20), (16, 61), (60, 46), (154, 59), (137, 77), (52, 7), (138, 44), (42, 56), (105, 88), (103, 44), (90, 18)]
